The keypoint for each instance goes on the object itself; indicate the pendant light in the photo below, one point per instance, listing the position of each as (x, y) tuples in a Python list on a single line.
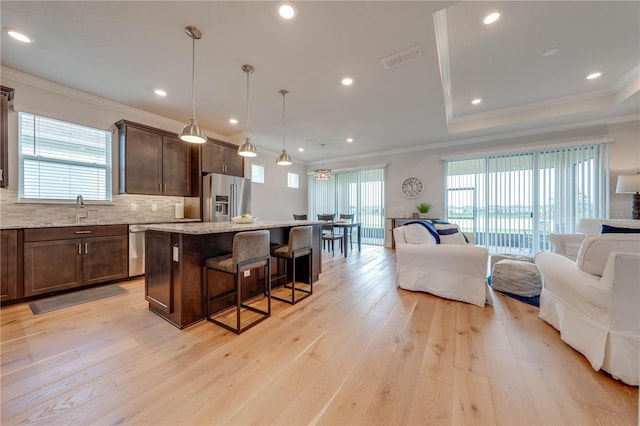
[(247, 149), (191, 132), (283, 159), (322, 173)]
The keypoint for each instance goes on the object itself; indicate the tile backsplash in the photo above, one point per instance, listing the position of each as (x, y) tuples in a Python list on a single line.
[(148, 208)]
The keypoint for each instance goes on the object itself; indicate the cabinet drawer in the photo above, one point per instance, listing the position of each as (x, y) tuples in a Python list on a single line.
[(69, 232)]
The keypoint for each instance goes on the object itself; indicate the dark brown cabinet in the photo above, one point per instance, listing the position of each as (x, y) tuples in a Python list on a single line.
[(9, 265), (153, 162), (223, 158), (6, 95), (63, 258), (158, 263)]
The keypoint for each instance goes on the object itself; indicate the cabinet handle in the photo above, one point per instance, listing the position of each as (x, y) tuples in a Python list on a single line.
[(86, 248), (83, 232), (160, 185), (79, 248), (165, 187)]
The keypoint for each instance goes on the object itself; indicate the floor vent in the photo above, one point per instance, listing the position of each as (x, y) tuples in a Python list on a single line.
[(402, 57)]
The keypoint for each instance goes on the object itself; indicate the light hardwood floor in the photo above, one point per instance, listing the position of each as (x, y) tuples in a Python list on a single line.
[(359, 351)]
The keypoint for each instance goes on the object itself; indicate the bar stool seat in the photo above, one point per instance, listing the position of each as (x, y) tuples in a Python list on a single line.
[(250, 250), (300, 245)]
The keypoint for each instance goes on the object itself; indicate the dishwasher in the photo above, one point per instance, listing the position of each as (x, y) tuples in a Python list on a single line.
[(136, 250)]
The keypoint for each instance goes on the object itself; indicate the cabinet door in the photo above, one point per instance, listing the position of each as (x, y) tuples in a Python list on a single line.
[(143, 162), (51, 266), (9, 266), (234, 164), (158, 261), (176, 167), (212, 158), (105, 259)]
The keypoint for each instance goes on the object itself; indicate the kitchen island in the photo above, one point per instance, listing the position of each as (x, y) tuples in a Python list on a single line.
[(175, 259)]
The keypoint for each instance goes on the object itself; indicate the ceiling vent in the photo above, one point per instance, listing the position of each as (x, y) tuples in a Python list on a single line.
[(402, 57)]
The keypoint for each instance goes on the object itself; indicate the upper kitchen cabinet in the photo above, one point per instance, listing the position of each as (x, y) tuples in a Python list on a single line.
[(152, 161), (6, 96), (221, 157)]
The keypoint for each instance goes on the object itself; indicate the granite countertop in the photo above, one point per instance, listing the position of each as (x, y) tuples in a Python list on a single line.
[(93, 222), (203, 228)]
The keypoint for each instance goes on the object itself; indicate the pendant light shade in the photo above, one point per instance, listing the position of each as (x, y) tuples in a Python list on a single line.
[(322, 173), (283, 159), (191, 132), (247, 149)]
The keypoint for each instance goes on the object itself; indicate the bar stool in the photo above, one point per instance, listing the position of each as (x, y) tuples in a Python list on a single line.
[(300, 244), (250, 250)]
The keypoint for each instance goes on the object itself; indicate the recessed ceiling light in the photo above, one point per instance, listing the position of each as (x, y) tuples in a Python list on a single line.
[(550, 52), (347, 81), (594, 75), (159, 92), (300, 149), (476, 101), (349, 140), (19, 36), (286, 11), (491, 18), (233, 121)]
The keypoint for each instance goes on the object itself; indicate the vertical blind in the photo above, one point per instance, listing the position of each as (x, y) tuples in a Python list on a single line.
[(61, 160), (513, 201), (358, 192)]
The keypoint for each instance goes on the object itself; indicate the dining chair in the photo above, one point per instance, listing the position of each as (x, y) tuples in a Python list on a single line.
[(348, 218), (299, 216), (329, 234)]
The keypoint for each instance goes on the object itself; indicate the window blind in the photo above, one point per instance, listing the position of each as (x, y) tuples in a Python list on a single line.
[(358, 192), (61, 160), (513, 201)]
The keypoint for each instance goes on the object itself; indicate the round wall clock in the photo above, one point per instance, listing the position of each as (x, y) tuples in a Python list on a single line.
[(412, 187)]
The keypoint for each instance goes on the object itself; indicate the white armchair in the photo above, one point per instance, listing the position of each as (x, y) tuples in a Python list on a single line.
[(594, 301), (452, 271), (568, 245)]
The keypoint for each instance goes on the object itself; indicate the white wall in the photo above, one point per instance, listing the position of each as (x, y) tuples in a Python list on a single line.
[(624, 160), (273, 200)]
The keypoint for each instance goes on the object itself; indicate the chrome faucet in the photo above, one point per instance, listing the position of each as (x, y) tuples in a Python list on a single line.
[(81, 210)]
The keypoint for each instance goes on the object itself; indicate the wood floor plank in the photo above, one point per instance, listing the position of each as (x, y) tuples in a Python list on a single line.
[(358, 351)]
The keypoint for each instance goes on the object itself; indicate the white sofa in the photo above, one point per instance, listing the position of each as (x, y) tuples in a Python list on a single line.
[(594, 301), (452, 271), (569, 244)]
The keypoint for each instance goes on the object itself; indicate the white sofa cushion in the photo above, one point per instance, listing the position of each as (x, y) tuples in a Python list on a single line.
[(450, 234), (595, 249), (416, 233)]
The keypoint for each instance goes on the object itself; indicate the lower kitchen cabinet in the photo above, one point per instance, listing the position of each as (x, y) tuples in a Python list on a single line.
[(9, 265), (63, 258)]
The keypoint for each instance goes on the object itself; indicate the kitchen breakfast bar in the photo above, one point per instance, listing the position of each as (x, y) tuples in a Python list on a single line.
[(175, 257)]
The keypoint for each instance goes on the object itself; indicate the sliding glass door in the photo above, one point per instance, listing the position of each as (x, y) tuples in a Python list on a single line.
[(513, 201), (358, 192)]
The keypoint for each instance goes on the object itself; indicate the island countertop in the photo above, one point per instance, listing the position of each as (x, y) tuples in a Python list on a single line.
[(204, 228)]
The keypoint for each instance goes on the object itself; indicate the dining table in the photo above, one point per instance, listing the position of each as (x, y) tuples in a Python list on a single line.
[(346, 227)]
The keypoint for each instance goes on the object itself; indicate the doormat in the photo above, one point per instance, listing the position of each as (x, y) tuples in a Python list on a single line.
[(75, 298)]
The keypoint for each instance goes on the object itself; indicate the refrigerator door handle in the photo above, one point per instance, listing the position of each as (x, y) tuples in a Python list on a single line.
[(232, 201)]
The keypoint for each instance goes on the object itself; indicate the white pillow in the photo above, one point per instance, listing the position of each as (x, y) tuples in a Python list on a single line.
[(450, 234), (414, 233), (595, 249)]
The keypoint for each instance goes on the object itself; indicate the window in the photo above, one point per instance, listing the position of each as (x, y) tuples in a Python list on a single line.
[(293, 180), (60, 160), (257, 173), (513, 201)]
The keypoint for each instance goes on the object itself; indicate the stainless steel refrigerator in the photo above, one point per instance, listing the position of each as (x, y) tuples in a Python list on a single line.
[(224, 197)]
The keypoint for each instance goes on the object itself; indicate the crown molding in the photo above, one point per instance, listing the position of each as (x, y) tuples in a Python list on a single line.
[(442, 48), (626, 79), (98, 101)]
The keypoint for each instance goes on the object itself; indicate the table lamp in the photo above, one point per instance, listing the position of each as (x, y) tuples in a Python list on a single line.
[(630, 184)]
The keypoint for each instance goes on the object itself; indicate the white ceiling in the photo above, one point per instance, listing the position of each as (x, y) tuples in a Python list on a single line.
[(123, 50)]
